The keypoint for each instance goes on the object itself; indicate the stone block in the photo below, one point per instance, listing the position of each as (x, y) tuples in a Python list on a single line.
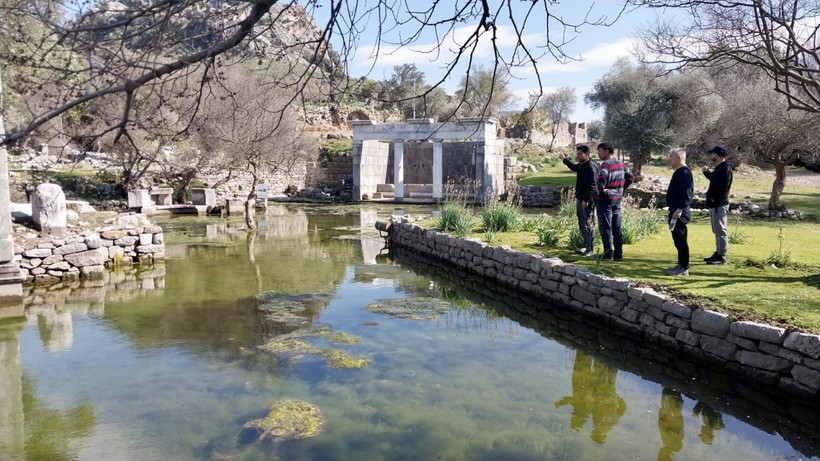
[(48, 210), (763, 361), (37, 253), (803, 342), (113, 234), (580, 294), (96, 257), (146, 239), (139, 198), (654, 298), (92, 271), (774, 349), (235, 207), (689, 337), (717, 346), (617, 284), (610, 305), (806, 376), (710, 322), (92, 241), (162, 195), (759, 331), (677, 309), (70, 248), (742, 342)]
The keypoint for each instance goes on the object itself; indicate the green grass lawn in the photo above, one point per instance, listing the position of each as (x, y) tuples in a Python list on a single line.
[(746, 288), (787, 296)]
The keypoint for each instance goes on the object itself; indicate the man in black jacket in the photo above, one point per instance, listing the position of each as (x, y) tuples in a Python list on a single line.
[(717, 200), (586, 174), (679, 199)]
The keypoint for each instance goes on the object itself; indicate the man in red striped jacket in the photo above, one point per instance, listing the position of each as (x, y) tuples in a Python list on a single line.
[(613, 178)]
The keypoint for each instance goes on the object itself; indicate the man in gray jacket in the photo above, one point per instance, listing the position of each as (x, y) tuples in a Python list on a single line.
[(717, 200)]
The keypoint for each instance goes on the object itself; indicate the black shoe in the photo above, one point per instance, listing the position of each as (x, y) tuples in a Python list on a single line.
[(714, 257), (618, 258), (717, 262)]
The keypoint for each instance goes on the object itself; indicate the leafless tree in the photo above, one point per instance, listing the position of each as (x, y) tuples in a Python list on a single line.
[(85, 51), (779, 37), (253, 128), (559, 105), (757, 121)]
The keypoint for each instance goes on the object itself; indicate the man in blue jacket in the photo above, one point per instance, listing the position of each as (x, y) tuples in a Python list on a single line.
[(679, 196), (717, 200), (586, 175)]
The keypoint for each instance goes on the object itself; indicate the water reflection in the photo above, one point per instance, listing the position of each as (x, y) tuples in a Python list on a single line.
[(594, 394), (171, 368)]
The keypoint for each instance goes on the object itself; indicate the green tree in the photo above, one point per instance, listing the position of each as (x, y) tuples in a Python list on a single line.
[(484, 92), (638, 110), (402, 88)]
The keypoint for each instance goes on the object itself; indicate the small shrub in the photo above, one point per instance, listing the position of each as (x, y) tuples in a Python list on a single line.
[(464, 224), (500, 217), (530, 223), (451, 213), (637, 224), (738, 237), (489, 237), (780, 258), (549, 232)]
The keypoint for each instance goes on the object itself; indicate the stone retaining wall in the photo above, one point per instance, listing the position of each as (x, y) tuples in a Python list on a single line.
[(769, 355), (130, 239), (540, 197)]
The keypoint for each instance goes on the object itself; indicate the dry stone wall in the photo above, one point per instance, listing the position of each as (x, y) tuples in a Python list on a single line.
[(127, 240), (769, 355)]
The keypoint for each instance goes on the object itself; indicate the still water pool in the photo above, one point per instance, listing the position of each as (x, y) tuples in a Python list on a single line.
[(167, 364)]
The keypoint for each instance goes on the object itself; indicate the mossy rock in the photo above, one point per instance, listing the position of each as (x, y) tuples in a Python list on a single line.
[(287, 420), (294, 347), (343, 338), (411, 308)]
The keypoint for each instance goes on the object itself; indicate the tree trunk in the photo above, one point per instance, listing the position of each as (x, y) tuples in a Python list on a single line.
[(639, 160), (777, 187), (250, 205)]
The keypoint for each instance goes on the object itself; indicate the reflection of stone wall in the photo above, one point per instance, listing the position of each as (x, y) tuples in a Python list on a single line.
[(764, 354), (53, 309)]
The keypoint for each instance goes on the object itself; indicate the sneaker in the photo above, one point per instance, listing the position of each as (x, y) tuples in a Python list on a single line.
[(679, 271), (588, 253), (582, 251), (712, 258), (717, 261), (673, 269)]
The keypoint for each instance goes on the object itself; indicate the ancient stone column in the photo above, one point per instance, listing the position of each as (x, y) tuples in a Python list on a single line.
[(398, 169), (11, 288), (438, 170)]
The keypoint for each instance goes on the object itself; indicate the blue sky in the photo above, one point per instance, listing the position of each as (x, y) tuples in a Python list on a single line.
[(596, 47)]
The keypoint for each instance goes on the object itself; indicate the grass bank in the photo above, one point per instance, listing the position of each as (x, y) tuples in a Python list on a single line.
[(746, 287)]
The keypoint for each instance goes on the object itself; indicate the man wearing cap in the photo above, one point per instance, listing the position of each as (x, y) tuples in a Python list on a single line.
[(717, 200), (586, 175), (679, 199)]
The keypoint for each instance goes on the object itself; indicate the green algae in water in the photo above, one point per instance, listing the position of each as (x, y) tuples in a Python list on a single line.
[(288, 420), (343, 338), (273, 300), (411, 308), (336, 358), (294, 346)]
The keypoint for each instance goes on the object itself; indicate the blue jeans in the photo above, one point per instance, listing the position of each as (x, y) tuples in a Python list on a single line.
[(609, 222)]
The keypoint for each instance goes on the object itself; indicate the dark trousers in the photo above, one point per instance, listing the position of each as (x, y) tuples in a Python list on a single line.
[(609, 223), (586, 224), (679, 235)]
